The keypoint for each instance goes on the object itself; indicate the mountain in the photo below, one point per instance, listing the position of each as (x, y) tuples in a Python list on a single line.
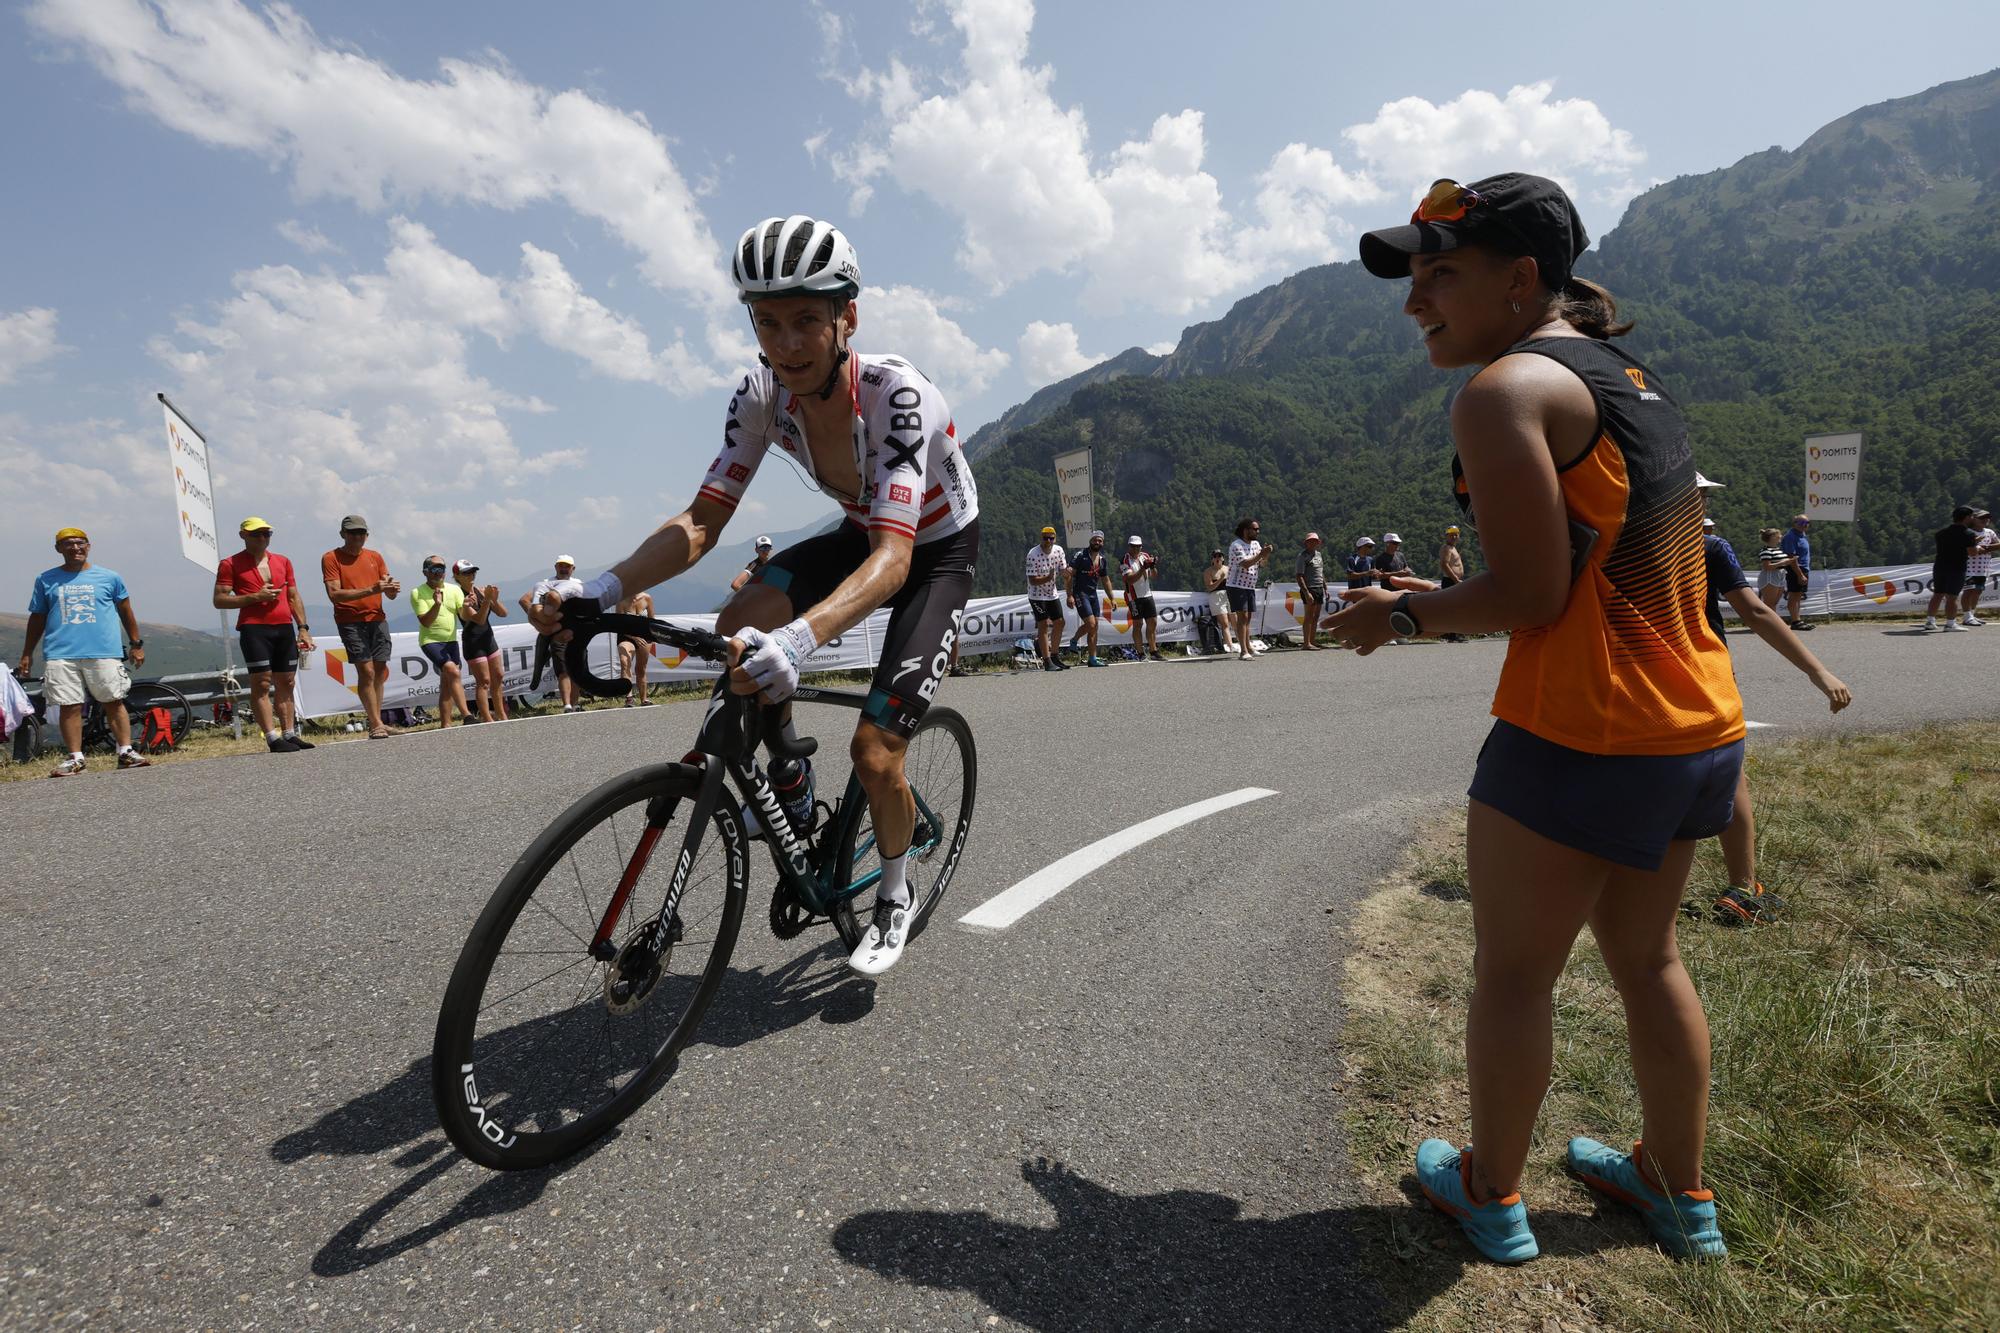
[(1850, 284)]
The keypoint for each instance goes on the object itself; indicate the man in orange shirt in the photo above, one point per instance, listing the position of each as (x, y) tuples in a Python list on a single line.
[(356, 581)]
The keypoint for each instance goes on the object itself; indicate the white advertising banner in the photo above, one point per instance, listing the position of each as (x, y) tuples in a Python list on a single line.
[(990, 625), (1833, 477), (194, 490), (1073, 486)]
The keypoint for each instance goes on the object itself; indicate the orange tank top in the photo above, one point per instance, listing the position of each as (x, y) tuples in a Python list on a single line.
[(1631, 665)]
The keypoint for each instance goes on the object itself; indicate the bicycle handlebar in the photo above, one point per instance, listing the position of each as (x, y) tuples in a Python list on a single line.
[(576, 656)]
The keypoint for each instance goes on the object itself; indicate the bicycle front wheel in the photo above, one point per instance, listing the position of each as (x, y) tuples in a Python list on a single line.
[(943, 771), (543, 1043)]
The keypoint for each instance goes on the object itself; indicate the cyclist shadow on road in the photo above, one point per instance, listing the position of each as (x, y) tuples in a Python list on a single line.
[(1183, 1258), (751, 1003)]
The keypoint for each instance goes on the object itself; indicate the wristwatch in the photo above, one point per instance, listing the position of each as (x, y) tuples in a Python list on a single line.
[(1401, 621), (137, 643)]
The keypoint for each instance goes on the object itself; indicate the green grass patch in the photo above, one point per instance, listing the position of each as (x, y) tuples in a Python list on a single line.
[(1854, 1141)]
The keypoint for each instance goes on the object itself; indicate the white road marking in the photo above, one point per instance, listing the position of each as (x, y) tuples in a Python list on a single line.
[(1748, 723), (1010, 905)]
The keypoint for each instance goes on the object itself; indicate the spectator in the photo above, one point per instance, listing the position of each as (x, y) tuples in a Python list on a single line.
[(1215, 579), (1047, 566), (271, 629), (1246, 555), (1775, 567), (1744, 899), (1979, 567), (437, 605), (1390, 562), (1798, 545), (1087, 573), (1590, 792), (1451, 571), (481, 645), (552, 591), (635, 655), (356, 581), (80, 653), (1361, 564), (757, 562), (1137, 570), (1956, 542), (1311, 574)]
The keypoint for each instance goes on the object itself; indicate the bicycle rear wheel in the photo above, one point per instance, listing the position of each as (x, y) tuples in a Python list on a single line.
[(543, 1045), (144, 697), (943, 770)]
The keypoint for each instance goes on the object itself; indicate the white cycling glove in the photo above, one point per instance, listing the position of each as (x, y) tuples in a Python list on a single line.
[(772, 660)]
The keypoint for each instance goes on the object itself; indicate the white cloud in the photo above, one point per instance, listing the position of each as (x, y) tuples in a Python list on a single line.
[(309, 239), (1049, 352), (1412, 142), (1164, 348), (433, 280), (1146, 224), (350, 127), (906, 321), (564, 317), (27, 338)]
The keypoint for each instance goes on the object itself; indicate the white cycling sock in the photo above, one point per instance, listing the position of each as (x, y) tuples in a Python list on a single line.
[(893, 888), (273, 735), (76, 754)]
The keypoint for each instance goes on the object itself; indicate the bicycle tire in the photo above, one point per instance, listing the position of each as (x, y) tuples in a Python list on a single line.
[(24, 743), (930, 777), (147, 695), (496, 1100)]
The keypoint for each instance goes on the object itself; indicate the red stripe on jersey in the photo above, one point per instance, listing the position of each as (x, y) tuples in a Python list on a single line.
[(891, 525), (951, 430), (933, 493), (942, 512), (718, 496)]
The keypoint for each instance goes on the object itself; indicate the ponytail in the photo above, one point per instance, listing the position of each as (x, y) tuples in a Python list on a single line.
[(1589, 309)]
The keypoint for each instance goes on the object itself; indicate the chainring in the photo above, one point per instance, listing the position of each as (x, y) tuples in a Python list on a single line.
[(789, 916)]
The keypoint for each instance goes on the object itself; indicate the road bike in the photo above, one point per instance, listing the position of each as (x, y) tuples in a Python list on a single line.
[(34, 737), (596, 957)]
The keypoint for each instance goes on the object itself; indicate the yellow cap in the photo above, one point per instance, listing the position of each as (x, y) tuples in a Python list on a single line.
[(72, 532), (1451, 531), (253, 524), (1048, 532)]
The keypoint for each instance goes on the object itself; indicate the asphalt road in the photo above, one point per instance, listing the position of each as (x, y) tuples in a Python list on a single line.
[(220, 980)]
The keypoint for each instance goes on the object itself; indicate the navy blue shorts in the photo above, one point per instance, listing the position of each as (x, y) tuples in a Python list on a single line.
[(1242, 599), (1088, 604), (440, 651), (1625, 808)]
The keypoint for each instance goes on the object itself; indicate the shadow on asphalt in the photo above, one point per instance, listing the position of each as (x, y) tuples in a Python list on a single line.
[(1184, 1258), (751, 1003)]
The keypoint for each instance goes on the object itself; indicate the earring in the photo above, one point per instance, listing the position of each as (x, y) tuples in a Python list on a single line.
[(1516, 305)]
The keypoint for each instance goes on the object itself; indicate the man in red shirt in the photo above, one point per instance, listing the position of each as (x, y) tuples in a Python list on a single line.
[(259, 583), (356, 581)]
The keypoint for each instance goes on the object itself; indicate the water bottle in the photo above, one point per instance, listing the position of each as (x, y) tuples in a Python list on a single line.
[(792, 780)]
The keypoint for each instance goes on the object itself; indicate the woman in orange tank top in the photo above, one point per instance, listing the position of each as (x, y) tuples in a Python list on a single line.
[(1619, 732)]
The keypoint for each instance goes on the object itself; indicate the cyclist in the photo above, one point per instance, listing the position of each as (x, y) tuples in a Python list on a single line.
[(874, 434)]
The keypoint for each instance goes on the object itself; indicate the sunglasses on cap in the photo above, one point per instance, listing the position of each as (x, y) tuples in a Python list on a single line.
[(1446, 201), (433, 569)]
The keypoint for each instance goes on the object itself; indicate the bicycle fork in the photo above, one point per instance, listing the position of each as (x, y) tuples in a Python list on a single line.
[(658, 814)]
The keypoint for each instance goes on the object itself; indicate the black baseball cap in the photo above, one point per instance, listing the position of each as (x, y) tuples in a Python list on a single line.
[(1529, 214)]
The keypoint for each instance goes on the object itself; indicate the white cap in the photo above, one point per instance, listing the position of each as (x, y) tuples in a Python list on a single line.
[(763, 542), (1364, 541), (1704, 484), (1390, 537), (464, 567), (1135, 540), (569, 560), (1707, 523)]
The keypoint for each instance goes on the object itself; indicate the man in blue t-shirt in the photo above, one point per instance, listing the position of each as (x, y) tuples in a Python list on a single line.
[(1087, 573), (1799, 546), (71, 614)]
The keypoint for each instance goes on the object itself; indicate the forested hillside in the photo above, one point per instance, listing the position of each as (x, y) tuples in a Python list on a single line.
[(1852, 284)]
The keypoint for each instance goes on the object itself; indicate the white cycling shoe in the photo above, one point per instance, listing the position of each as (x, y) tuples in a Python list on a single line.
[(882, 943)]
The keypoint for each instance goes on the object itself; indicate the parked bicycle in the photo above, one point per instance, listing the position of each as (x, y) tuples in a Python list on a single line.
[(150, 733), (595, 959)]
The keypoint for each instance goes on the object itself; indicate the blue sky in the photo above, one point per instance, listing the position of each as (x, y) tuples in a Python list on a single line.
[(459, 266)]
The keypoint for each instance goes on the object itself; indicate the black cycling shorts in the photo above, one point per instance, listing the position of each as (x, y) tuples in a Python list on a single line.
[(1046, 608), (924, 614), (269, 648), (1145, 608)]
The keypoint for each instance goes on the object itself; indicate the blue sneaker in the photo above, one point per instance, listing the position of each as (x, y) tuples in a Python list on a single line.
[(1684, 1225), (1497, 1228)]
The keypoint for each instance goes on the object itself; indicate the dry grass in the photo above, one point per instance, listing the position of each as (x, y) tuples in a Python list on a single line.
[(1855, 1135)]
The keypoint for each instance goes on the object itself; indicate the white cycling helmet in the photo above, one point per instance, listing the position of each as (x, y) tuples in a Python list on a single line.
[(795, 256)]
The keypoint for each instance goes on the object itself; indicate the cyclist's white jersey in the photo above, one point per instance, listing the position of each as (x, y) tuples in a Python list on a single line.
[(914, 478)]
